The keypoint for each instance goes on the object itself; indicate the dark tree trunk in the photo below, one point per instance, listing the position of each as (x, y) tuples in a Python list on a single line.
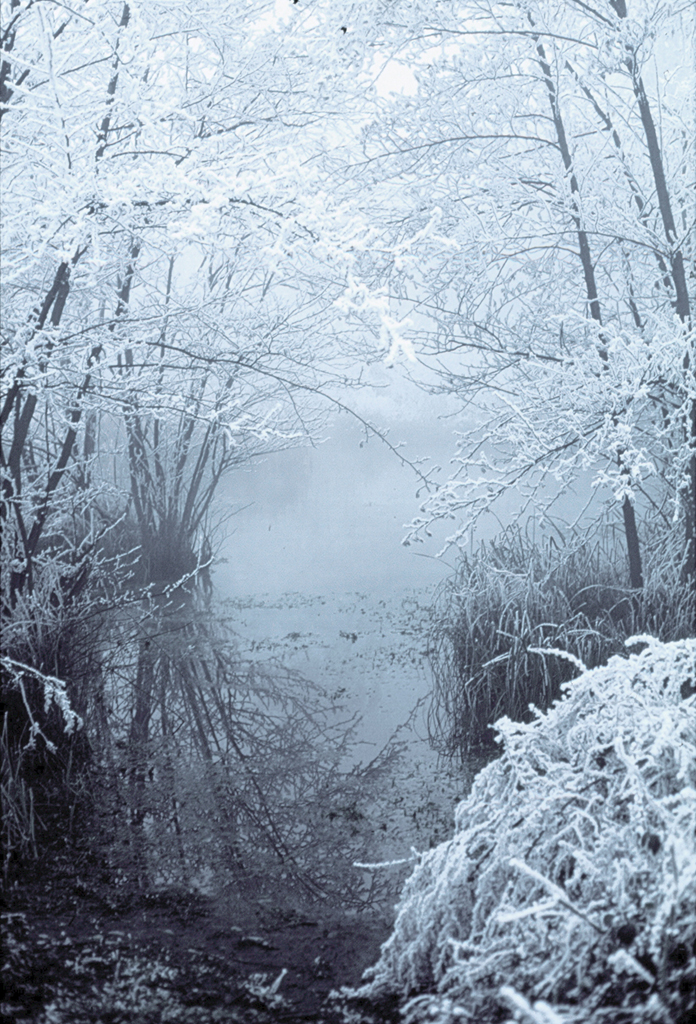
[(678, 276), (629, 517)]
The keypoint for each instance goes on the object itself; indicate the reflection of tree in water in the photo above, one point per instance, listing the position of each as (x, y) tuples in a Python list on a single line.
[(222, 771)]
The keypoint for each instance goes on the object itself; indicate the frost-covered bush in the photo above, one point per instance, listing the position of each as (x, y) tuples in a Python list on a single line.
[(568, 892)]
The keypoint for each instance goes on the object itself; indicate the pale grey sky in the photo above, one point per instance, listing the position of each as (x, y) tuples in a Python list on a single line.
[(331, 518)]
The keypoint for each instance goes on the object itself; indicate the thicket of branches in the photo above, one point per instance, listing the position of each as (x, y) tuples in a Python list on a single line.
[(535, 188), (169, 288)]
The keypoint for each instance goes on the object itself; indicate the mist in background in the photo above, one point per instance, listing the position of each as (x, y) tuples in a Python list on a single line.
[(331, 518), (312, 570)]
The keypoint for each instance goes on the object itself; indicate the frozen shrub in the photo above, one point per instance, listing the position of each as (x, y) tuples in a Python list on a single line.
[(568, 891), (40, 735)]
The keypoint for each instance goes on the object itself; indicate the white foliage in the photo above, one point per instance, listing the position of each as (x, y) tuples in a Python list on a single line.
[(524, 147), (173, 245), (570, 880)]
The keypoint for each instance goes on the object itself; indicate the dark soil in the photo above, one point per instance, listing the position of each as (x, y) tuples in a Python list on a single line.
[(77, 951)]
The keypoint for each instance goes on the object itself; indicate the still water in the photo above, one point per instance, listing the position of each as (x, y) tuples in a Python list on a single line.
[(312, 570), (368, 652)]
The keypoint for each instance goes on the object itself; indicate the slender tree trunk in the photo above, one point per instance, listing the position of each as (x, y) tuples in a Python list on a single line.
[(51, 310), (629, 516), (678, 275), (7, 41), (139, 755)]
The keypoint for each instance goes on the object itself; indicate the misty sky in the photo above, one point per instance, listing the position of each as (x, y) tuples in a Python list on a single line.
[(331, 518)]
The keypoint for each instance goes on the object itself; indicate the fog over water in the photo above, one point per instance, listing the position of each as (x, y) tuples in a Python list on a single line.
[(313, 568), (331, 518)]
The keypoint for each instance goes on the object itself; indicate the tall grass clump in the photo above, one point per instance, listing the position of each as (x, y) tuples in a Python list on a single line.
[(50, 675), (522, 592), (54, 603)]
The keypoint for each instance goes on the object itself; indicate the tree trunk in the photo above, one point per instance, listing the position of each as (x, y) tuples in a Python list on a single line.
[(678, 275), (629, 517)]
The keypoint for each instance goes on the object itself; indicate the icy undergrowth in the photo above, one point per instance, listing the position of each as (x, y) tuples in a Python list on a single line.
[(568, 892)]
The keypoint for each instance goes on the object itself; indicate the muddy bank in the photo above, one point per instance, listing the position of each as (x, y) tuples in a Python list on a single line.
[(74, 952)]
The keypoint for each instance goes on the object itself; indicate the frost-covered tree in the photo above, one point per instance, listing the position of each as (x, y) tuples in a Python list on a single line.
[(171, 257), (534, 184)]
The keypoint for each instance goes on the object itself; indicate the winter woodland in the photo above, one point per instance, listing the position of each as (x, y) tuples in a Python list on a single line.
[(216, 219)]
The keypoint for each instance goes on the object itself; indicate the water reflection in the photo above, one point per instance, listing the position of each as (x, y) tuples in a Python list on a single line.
[(367, 650)]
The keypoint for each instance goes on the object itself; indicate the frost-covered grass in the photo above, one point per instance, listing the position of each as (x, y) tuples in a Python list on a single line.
[(522, 591), (568, 891)]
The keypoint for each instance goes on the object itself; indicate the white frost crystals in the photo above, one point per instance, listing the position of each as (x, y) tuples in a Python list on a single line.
[(54, 693), (568, 891)]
